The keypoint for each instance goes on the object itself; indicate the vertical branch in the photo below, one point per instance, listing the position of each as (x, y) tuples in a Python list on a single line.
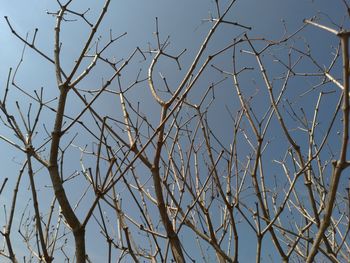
[(172, 235), (7, 232), (37, 214), (341, 164)]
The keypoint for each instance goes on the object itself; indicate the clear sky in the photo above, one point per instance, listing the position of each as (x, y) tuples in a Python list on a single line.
[(183, 21)]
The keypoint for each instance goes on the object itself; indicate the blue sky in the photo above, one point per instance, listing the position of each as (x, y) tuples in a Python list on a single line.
[(184, 21)]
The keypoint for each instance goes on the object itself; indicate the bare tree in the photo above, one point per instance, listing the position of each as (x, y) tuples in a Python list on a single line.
[(171, 185)]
